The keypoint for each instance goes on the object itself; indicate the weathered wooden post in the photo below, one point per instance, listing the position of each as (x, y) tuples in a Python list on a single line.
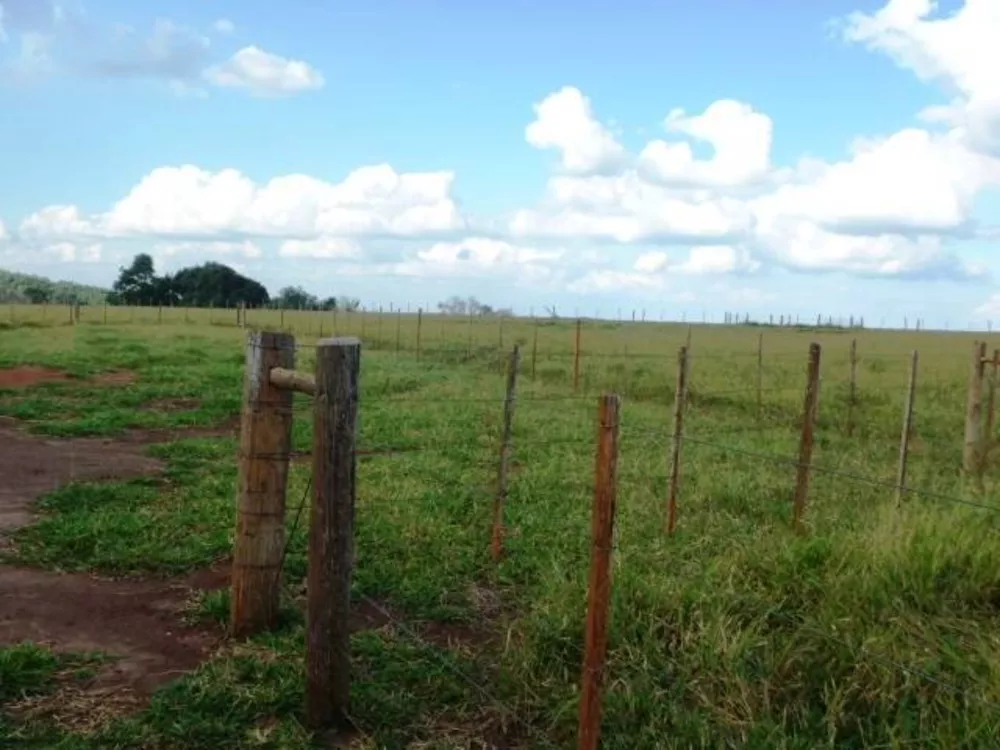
[(904, 439), (576, 357), (534, 350), (852, 395), (509, 402), (760, 376), (599, 588), (809, 414), (991, 405), (420, 323), (675, 440), (971, 463), (331, 531), (265, 442)]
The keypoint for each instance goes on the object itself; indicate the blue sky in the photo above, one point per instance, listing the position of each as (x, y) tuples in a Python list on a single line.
[(837, 157)]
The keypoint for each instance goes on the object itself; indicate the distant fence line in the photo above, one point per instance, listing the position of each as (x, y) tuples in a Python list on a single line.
[(266, 450), (238, 312)]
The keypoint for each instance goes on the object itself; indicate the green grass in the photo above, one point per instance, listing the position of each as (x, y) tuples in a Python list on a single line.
[(875, 629)]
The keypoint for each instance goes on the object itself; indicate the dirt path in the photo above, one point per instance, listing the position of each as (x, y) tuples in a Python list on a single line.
[(137, 621)]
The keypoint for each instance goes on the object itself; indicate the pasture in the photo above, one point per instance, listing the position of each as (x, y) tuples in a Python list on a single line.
[(875, 628)]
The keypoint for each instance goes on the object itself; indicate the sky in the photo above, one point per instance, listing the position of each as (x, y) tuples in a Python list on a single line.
[(832, 157)]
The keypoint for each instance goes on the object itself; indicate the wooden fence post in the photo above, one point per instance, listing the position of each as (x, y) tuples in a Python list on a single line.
[(534, 350), (760, 376), (399, 328), (599, 589), (265, 442), (70, 309), (576, 357), (420, 324), (378, 327), (974, 414), (331, 531), (501, 332), (809, 414), (852, 395), (510, 399), (105, 313), (675, 440), (904, 439), (991, 404)]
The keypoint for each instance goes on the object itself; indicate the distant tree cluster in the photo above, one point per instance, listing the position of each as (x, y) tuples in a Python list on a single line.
[(207, 285), (297, 298), (469, 307), (19, 287)]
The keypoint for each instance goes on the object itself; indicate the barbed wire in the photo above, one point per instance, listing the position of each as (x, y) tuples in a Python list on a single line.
[(819, 469)]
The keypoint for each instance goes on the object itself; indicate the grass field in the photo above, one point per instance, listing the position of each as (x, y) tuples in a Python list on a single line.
[(876, 629)]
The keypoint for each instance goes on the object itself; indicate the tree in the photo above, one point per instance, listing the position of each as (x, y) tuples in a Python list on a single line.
[(135, 284), (296, 298), (38, 294)]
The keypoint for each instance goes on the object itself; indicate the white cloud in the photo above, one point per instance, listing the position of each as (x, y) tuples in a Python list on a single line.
[(990, 309), (3, 31), (171, 51), (246, 248), (959, 50), (911, 182), (651, 262), (224, 26), (564, 121), (608, 280), (264, 74), (480, 255), (189, 202), (625, 208), (4, 234), (69, 252), (740, 138), (324, 247), (717, 259)]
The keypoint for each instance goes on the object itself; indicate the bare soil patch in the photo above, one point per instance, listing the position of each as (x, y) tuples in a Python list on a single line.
[(115, 377), (139, 622), (31, 467), (27, 376)]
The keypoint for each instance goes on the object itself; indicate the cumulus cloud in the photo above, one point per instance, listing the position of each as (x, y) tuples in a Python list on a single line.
[(739, 136), (70, 252), (564, 122), (625, 208), (264, 74), (188, 202), (959, 51), (3, 232)]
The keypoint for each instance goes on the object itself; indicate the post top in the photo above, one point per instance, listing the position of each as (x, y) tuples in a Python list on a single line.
[(339, 341)]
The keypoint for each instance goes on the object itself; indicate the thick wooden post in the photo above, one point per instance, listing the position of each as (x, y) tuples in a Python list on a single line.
[(501, 332), (576, 357), (399, 328), (599, 588), (265, 442), (105, 313), (159, 315), (852, 395), (806, 438), (675, 440), (904, 439), (974, 415), (510, 400), (331, 532)]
